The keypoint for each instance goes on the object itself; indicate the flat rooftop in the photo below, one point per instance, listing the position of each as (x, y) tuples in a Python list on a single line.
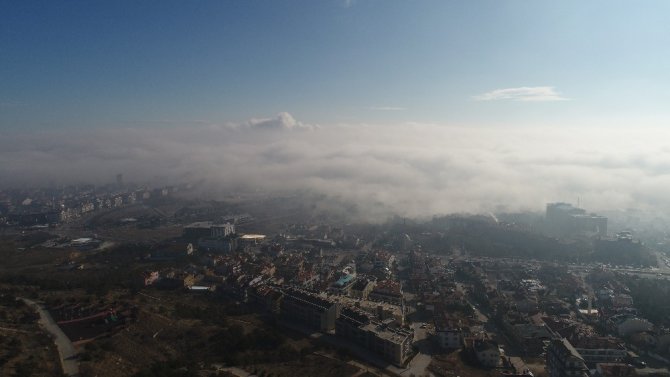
[(384, 332)]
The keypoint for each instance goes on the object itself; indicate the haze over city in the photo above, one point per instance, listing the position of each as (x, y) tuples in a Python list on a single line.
[(334, 188), (417, 108)]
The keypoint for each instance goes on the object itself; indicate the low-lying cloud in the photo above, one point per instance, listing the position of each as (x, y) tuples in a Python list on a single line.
[(524, 94), (283, 121), (406, 169)]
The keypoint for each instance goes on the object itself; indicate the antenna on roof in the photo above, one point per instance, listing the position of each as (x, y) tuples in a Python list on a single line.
[(578, 200)]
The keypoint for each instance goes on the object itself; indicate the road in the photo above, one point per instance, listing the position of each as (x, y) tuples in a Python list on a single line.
[(419, 363), (238, 372), (662, 272), (66, 351), (662, 265)]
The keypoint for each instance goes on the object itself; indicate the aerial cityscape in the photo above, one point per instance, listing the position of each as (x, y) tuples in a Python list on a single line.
[(334, 188), (140, 280)]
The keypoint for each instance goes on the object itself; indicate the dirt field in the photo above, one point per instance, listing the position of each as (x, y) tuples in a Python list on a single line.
[(313, 365), (168, 328), (537, 367), (452, 365)]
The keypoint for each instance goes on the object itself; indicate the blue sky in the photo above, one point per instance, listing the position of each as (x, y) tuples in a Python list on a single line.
[(423, 106), (504, 63)]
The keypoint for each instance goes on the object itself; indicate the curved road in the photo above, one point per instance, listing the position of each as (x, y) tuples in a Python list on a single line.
[(66, 351)]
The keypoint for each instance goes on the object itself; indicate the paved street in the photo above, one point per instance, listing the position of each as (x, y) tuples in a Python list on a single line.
[(66, 351)]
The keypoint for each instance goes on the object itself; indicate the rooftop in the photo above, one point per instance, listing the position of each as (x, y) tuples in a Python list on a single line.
[(598, 343), (344, 280), (388, 287), (484, 344), (383, 331), (566, 348)]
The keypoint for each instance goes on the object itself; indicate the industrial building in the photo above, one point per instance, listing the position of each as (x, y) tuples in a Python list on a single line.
[(565, 220)]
